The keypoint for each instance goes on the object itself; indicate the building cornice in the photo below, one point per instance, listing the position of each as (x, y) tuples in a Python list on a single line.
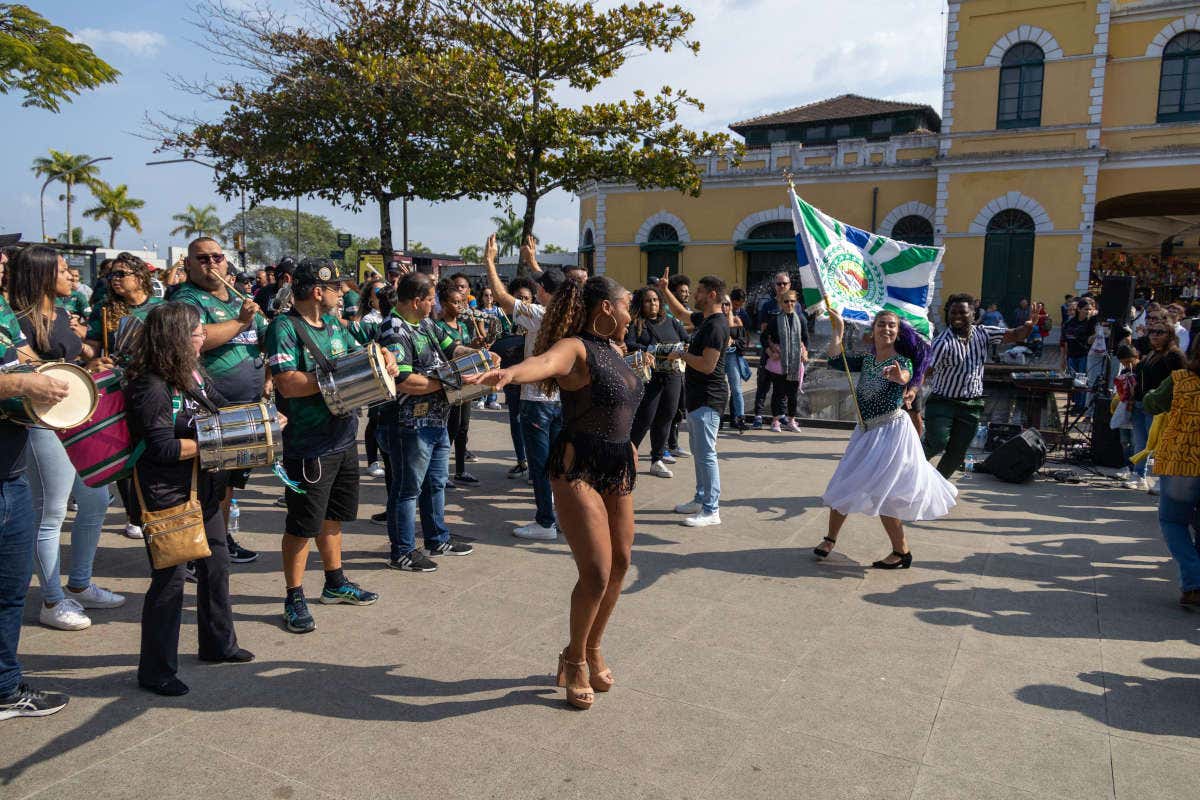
[(1163, 10)]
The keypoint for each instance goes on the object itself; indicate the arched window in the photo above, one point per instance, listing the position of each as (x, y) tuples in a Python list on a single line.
[(1021, 72), (776, 253), (913, 229), (662, 250), (587, 252), (774, 230), (1179, 81)]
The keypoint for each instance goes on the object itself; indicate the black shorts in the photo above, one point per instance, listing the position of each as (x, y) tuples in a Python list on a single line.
[(238, 478), (331, 494)]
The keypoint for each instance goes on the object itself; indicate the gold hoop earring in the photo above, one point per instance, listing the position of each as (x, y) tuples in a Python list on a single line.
[(608, 335)]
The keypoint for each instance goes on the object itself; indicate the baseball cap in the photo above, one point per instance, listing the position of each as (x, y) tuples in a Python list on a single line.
[(551, 279), (315, 272), (286, 265)]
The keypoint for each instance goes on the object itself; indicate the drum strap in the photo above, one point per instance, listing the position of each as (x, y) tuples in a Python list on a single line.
[(306, 339)]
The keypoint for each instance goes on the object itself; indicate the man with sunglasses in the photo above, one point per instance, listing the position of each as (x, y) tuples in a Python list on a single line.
[(768, 309), (232, 353)]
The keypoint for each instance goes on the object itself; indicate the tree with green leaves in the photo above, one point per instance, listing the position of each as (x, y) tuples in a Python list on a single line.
[(508, 233), (115, 207), (529, 143), (470, 254), (553, 248), (77, 236), (69, 170), (353, 108), (418, 247), (197, 221), (271, 234), (43, 61)]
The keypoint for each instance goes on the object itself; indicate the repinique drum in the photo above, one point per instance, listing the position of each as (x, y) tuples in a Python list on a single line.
[(74, 409), (359, 379), (638, 362), (239, 437), (451, 375)]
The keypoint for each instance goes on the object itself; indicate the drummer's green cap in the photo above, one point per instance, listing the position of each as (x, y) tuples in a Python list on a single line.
[(315, 272)]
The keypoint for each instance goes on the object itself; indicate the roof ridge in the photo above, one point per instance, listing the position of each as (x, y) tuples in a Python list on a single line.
[(883, 106)]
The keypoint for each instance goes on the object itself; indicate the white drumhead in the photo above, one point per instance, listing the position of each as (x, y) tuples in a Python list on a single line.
[(76, 407), (376, 354)]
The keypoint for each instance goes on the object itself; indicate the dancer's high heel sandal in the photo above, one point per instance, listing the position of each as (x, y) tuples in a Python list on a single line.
[(904, 563), (578, 696), (603, 680), (819, 553)]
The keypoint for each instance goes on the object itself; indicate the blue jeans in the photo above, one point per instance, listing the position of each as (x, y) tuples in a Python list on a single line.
[(702, 429), (540, 424), (18, 532), (1176, 504), (420, 459), (737, 403), (52, 480), (1141, 435), (512, 399), (1078, 364)]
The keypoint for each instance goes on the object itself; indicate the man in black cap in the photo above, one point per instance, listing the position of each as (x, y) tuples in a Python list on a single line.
[(320, 449), (264, 298)]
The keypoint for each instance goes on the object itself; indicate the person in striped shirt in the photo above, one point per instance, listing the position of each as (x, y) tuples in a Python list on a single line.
[(956, 381)]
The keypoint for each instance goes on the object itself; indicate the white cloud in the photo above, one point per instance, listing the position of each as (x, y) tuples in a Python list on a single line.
[(139, 43)]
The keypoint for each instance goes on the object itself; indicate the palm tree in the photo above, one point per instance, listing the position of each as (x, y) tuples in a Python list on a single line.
[(70, 170), (418, 247), (197, 222), (553, 248), (469, 253), (78, 237), (508, 233), (116, 207)]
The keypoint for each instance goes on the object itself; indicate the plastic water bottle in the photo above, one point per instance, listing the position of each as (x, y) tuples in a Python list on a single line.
[(969, 463), (235, 515), (1151, 478), (980, 437)]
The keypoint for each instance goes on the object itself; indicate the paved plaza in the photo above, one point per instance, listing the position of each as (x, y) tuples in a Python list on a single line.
[(1035, 650)]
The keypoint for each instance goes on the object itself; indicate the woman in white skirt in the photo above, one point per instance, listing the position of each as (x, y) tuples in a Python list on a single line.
[(884, 472)]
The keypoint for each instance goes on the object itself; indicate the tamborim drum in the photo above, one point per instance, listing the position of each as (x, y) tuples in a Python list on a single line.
[(451, 376), (239, 437), (640, 365), (359, 379), (74, 409)]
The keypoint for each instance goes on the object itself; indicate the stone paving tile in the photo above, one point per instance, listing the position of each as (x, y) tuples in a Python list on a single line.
[(941, 784), (1142, 770)]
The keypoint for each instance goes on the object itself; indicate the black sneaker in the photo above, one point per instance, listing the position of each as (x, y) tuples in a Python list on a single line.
[(519, 471), (189, 572), (466, 478), (415, 561), (471, 458), (451, 548), (29, 702), (297, 616), (380, 517), (239, 554)]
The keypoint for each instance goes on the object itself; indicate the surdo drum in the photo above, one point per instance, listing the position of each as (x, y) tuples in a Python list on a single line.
[(451, 375), (238, 437), (359, 379), (74, 409)]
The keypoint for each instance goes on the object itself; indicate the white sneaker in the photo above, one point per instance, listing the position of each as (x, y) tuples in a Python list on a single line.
[(133, 531), (659, 469), (667, 458), (493, 406), (1134, 483), (535, 531), (1123, 474), (682, 452), (703, 520), (66, 615), (376, 470), (688, 508), (96, 597)]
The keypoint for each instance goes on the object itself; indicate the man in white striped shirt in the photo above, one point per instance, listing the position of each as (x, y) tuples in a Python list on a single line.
[(956, 380)]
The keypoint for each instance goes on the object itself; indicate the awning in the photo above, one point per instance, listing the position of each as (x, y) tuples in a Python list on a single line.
[(661, 247)]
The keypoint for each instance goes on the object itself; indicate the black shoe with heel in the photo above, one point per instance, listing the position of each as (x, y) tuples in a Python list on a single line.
[(819, 553), (904, 563)]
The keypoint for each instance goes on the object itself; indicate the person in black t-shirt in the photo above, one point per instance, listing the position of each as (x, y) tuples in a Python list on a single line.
[(166, 390)]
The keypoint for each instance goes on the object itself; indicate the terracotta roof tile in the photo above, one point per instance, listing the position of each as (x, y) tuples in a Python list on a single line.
[(846, 106)]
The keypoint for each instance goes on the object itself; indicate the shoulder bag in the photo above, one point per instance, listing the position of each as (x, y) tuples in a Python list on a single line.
[(174, 535)]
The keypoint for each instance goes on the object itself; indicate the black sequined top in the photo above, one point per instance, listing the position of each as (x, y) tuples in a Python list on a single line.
[(597, 420)]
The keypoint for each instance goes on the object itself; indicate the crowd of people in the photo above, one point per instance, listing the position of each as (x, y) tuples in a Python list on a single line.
[(586, 368)]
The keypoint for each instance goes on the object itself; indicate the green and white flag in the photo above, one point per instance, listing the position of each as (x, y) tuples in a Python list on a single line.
[(862, 273)]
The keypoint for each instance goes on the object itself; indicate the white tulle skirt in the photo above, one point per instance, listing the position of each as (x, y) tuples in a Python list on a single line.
[(885, 473)]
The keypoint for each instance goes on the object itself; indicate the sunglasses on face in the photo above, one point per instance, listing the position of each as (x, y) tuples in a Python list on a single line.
[(783, 283), (1157, 333), (209, 258), (117, 274)]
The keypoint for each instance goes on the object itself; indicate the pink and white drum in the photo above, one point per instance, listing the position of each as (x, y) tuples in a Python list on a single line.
[(74, 409)]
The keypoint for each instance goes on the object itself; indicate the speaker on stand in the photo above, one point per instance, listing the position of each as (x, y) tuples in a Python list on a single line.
[(1116, 304)]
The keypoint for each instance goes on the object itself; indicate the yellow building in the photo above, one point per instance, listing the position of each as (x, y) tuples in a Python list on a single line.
[(1069, 139)]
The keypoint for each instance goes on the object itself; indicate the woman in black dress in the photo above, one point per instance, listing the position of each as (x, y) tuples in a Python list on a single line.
[(593, 464), (166, 390), (652, 326)]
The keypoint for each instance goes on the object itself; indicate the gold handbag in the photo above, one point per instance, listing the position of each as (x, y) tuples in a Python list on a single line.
[(174, 535)]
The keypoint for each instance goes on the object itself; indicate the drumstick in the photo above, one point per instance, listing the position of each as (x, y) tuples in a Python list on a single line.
[(104, 330), (235, 290)]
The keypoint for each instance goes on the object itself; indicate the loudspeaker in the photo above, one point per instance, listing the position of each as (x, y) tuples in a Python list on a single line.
[(1106, 443), (1116, 298), (1018, 459)]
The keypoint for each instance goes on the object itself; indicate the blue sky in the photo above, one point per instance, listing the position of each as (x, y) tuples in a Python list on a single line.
[(785, 53)]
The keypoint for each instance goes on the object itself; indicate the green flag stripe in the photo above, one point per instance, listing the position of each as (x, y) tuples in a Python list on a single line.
[(810, 297), (917, 321), (879, 242), (908, 259), (814, 226)]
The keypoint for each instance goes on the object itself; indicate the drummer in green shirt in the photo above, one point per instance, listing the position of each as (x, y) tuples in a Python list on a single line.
[(128, 301)]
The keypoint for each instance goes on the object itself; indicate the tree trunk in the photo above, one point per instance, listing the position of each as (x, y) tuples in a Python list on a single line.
[(527, 228), (385, 229), (112, 237), (70, 233)]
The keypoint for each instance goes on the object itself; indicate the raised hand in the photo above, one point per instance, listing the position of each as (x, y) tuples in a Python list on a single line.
[(490, 250), (249, 309), (893, 373)]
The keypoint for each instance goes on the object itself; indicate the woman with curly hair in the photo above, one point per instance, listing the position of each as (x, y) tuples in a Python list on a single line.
[(884, 471), (167, 388), (593, 464), (129, 298), (652, 328)]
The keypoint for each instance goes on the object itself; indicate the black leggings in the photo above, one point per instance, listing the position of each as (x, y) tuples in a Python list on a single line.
[(783, 390), (458, 426), (372, 446), (657, 412)]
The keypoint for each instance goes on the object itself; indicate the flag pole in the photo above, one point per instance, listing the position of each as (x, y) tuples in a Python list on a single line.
[(825, 299)]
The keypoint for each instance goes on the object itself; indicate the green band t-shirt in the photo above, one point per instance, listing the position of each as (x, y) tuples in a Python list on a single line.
[(235, 367)]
